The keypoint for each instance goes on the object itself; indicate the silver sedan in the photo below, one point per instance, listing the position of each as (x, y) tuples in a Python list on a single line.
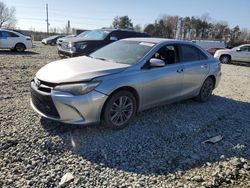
[(120, 79)]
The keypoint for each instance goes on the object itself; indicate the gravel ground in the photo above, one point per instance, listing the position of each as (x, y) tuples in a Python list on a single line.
[(162, 147)]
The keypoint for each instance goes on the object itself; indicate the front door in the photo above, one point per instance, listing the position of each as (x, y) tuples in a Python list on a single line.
[(243, 54), (162, 84)]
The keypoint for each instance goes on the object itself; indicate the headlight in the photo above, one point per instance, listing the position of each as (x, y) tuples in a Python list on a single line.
[(77, 89), (72, 47)]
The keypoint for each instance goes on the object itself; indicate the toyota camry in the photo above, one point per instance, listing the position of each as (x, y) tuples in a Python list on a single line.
[(110, 85)]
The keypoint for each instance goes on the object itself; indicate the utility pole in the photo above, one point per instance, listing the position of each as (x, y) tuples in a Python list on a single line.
[(68, 27), (178, 33), (47, 20)]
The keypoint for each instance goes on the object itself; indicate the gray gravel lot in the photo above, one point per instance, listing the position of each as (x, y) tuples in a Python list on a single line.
[(162, 147)]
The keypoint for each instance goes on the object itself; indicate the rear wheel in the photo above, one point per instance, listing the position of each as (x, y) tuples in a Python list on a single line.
[(226, 59), (119, 110), (20, 47), (206, 90)]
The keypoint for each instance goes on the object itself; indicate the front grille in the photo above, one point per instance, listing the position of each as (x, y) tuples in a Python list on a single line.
[(43, 102)]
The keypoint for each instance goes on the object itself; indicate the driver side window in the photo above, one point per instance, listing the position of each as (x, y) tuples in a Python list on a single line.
[(168, 54), (244, 48)]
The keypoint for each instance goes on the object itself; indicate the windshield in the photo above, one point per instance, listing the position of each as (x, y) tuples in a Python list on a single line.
[(53, 37), (94, 35), (83, 34), (126, 52)]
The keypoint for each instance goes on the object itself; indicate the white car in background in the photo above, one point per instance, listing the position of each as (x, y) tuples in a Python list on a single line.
[(240, 53), (208, 44), (14, 41)]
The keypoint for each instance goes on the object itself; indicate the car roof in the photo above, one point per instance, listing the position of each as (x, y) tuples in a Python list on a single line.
[(1, 29), (244, 45), (158, 40), (126, 30), (10, 30)]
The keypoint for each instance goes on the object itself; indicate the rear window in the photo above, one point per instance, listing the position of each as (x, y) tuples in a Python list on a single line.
[(191, 53), (6, 34), (10, 34)]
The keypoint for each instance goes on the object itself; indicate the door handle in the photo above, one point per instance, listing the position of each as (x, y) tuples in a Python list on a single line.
[(204, 66), (179, 70)]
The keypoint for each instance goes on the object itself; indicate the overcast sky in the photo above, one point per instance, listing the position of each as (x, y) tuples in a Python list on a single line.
[(92, 14)]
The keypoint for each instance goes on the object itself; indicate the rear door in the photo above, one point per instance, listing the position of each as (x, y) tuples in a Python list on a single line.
[(195, 68)]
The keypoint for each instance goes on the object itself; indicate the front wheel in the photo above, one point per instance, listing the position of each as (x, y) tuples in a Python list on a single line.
[(119, 110), (226, 59), (206, 90)]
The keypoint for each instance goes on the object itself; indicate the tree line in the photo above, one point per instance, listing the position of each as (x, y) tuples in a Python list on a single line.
[(189, 28), (166, 26)]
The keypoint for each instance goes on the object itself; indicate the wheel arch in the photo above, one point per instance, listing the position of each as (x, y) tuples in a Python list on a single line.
[(22, 44), (123, 88), (213, 78), (226, 54)]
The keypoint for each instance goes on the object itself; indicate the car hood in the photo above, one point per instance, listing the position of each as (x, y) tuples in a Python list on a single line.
[(224, 50), (77, 69)]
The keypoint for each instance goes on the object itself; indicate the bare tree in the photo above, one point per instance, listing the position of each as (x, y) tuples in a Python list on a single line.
[(7, 16)]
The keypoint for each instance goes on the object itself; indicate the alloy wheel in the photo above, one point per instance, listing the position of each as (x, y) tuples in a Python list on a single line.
[(225, 59), (121, 110)]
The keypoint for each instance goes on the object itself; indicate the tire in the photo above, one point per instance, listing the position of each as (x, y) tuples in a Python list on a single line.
[(226, 59), (119, 110), (20, 47), (52, 43), (206, 90)]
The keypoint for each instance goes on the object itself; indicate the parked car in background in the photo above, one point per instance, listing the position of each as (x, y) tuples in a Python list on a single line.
[(14, 41), (240, 53), (60, 40), (208, 44), (52, 39), (89, 42), (113, 83), (213, 50)]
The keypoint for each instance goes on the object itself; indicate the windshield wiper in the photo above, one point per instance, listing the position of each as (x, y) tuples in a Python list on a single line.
[(89, 56)]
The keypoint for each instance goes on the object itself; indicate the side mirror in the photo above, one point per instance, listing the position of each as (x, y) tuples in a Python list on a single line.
[(153, 62), (113, 38), (238, 49)]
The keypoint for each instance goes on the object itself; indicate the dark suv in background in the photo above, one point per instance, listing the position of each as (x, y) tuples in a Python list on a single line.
[(89, 41)]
